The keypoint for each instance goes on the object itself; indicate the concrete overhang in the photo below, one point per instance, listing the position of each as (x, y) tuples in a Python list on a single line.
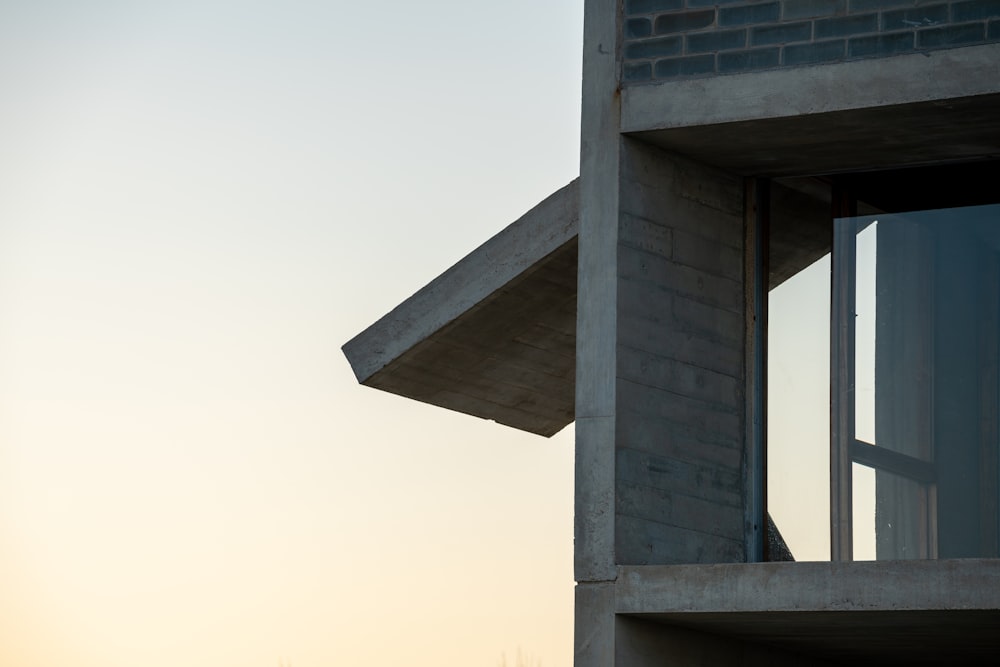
[(910, 109), (493, 336), (880, 613)]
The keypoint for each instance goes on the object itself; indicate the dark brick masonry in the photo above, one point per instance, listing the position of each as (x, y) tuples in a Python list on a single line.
[(671, 39)]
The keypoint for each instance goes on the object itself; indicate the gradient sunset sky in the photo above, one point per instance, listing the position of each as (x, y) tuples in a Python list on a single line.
[(200, 202)]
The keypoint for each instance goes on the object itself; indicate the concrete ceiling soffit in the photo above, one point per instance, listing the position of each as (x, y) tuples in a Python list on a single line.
[(867, 114), (494, 335)]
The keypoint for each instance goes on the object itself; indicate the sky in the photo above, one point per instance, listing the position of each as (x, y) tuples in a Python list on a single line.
[(200, 202), (798, 404)]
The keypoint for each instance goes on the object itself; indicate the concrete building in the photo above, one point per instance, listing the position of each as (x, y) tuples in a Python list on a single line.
[(726, 146)]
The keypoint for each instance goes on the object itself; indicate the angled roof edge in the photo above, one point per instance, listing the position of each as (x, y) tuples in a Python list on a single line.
[(488, 268)]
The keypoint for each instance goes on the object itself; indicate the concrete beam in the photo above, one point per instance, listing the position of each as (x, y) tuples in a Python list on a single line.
[(902, 110), (862, 613), (494, 335), (815, 586), (804, 91)]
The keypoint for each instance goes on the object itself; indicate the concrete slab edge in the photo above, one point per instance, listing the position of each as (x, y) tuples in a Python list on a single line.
[(543, 229), (903, 79), (972, 584)]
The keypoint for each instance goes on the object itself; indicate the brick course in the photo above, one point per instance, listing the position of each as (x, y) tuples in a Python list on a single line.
[(747, 14), (886, 44), (684, 21), (670, 39), (920, 17)]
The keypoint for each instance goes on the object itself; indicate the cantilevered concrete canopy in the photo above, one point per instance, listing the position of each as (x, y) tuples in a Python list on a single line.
[(495, 335)]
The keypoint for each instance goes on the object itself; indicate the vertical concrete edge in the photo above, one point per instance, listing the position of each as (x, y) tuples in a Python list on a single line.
[(594, 625), (596, 340), (515, 249), (755, 272)]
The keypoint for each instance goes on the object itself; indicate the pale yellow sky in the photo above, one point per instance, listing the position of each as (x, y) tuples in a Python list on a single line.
[(799, 407), (199, 203)]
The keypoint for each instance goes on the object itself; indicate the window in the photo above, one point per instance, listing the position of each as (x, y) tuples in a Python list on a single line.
[(915, 312), (886, 445)]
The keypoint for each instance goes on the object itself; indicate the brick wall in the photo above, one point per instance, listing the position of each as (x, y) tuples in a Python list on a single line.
[(670, 39)]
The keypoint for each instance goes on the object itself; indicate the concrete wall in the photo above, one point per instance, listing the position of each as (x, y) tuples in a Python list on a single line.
[(672, 39), (680, 362)]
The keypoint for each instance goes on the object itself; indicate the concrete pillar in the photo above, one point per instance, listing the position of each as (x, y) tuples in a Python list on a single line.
[(594, 559), (661, 369), (680, 362)]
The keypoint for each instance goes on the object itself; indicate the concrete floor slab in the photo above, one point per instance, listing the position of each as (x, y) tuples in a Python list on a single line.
[(885, 613)]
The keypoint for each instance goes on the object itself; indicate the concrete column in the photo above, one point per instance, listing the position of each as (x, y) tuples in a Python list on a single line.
[(597, 291), (594, 625), (680, 362), (594, 533)]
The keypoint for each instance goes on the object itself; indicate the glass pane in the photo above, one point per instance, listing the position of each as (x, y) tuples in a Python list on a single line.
[(925, 354), (893, 516), (904, 518)]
